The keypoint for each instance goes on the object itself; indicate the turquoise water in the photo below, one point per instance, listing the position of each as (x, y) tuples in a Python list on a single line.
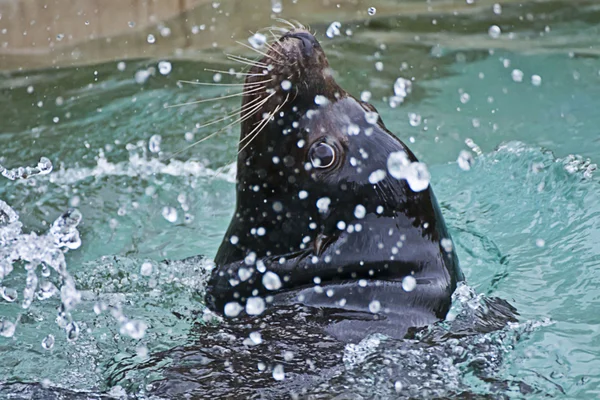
[(525, 218)]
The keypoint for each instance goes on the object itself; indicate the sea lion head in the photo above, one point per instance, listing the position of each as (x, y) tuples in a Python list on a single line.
[(332, 209)]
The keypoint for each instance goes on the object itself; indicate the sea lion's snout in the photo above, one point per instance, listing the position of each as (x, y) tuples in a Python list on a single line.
[(309, 42)]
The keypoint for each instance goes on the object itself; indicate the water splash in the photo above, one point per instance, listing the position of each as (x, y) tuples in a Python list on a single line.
[(44, 252)]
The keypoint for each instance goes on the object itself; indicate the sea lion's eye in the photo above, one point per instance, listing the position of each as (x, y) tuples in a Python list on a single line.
[(322, 155)]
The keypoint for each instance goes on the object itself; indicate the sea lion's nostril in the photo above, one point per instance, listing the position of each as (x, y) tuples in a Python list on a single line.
[(309, 41)]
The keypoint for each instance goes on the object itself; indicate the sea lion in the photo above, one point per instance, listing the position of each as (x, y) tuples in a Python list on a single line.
[(325, 215)]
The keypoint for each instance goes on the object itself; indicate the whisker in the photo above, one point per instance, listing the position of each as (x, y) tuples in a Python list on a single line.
[(258, 51), (235, 112), (260, 127), (255, 63), (236, 73), (252, 64), (223, 84), (300, 24), (285, 21), (241, 119), (217, 98)]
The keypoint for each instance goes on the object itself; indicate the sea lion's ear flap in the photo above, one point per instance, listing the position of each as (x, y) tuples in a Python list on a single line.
[(368, 107)]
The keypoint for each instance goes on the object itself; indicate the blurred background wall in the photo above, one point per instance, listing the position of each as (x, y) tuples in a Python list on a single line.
[(40, 34)]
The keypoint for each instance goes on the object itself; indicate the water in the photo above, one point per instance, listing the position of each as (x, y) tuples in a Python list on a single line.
[(525, 215)]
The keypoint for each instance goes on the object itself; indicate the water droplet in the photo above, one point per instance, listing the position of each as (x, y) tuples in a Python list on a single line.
[(154, 143), (72, 331), (465, 97), (9, 294), (48, 342), (131, 24), (360, 211), (517, 75), (446, 245), (398, 386), (402, 87), (302, 194), (375, 306), (278, 373), (255, 305), (151, 39), (60, 37), (286, 85), (233, 239), (164, 67), (146, 269), (271, 281), (217, 77), (371, 11), (377, 176), (276, 6), (497, 9), (321, 100), (341, 225), (30, 89), (409, 283), (365, 96), (142, 76), (540, 242), (353, 129), (536, 80), (333, 29), (414, 119), (255, 337), (465, 160), (323, 204), (258, 40), (371, 117), (494, 31), (165, 31), (232, 309), (169, 213), (379, 66), (7, 328), (134, 329)]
